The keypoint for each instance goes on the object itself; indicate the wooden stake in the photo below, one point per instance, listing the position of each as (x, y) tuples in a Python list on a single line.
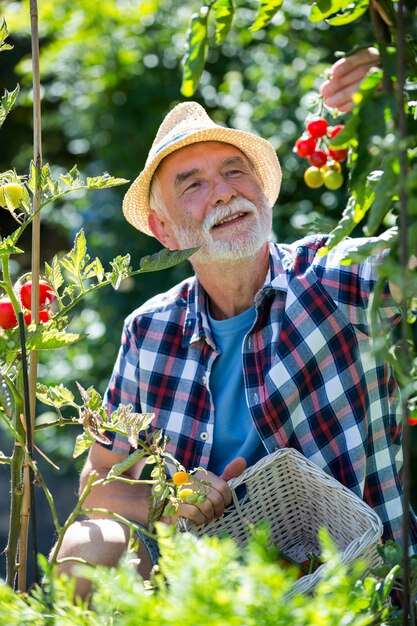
[(27, 505)]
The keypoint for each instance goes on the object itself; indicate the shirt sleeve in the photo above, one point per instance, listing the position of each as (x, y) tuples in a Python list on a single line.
[(123, 387)]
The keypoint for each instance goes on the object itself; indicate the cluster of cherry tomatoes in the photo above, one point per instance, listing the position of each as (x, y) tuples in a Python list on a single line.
[(325, 168), (46, 296)]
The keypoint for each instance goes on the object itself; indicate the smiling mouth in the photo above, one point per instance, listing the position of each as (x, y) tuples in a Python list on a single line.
[(229, 218)]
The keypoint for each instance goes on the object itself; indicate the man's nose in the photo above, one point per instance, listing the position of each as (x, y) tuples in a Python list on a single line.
[(222, 191)]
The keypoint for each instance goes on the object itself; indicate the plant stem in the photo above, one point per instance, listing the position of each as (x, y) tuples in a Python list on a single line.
[(16, 490)]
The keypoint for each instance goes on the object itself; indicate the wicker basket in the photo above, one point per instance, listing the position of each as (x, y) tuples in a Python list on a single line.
[(297, 498)]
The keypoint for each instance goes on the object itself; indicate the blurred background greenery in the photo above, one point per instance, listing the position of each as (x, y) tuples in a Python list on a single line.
[(110, 71)]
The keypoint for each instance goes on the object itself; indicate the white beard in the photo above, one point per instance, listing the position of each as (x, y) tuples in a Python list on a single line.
[(242, 244)]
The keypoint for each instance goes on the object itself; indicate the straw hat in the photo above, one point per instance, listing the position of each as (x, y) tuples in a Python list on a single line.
[(186, 124)]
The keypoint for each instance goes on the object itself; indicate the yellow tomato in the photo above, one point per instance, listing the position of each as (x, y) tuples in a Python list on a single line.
[(12, 192)]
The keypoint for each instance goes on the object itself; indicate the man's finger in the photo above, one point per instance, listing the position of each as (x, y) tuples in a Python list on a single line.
[(234, 469), (368, 57)]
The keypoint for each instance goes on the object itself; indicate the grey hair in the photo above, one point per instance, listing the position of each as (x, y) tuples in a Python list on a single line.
[(156, 201)]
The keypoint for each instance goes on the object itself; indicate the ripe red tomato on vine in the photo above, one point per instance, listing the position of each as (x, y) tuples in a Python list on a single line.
[(46, 294), (324, 161)]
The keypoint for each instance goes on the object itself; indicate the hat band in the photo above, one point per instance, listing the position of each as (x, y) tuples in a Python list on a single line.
[(171, 141)]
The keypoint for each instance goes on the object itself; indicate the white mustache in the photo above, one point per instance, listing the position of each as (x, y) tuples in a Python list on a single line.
[(226, 210)]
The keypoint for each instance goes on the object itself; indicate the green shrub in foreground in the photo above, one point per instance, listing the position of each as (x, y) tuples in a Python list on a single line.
[(208, 581)]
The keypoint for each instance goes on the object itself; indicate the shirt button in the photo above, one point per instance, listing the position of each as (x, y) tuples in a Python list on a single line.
[(205, 381), (255, 397), (204, 436)]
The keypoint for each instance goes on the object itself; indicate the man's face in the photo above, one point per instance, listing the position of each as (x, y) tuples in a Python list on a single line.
[(214, 200)]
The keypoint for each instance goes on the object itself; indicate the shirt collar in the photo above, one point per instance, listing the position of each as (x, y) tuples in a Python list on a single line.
[(197, 326)]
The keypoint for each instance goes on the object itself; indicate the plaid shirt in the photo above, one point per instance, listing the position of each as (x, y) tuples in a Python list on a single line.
[(311, 380)]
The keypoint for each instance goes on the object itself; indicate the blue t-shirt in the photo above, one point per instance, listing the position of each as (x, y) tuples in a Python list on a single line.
[(234, 431)]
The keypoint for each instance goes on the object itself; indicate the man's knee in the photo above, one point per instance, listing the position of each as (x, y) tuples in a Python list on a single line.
[(97, 542)]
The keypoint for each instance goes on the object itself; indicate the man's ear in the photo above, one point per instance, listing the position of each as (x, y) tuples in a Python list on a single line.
[(160, 229)]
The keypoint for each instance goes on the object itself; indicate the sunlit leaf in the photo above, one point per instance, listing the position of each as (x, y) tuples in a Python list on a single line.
[(53, 274), (56, 396), (7, 102), (44, 338), (105, 181), (351, 216), (95, 270), (7, 246), (165, 258), (120, 270), (386, 189), (266, 11), (82, 443), (6, 397), (351, 13), (372, 247), (195, 56), (77, 258), (120, 468), (4, 33), (325, 8), (223, 17)]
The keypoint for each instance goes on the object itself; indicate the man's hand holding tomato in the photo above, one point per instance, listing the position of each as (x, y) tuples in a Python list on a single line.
[(218, 497)]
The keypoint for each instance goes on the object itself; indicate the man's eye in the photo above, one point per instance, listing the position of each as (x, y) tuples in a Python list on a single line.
[(234, 172), (192, 186)]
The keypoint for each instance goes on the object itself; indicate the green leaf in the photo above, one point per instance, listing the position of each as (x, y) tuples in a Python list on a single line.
[(7, 246), (56, 396), (4, 33), (82, 443), (223, 17), (164, 258), (386, 189), (6, 397), (33, 177), (120, 468), (105, 181), (372, 248), (7, 102), (43, 338), (351, 216), (325, 8), (196, 53), (76, 259), (266, 12), (53, 274), (95, 270), (351, 13), (120, 270)]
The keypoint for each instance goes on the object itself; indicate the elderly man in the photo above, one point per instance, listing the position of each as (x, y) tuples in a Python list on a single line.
[(266, 347)]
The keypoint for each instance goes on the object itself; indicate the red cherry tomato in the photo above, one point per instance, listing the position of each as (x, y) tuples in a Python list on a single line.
[(318, 158), (7, 315), (335, 130), (304, 146), (44, 316), (317, 127), (412, 421), (338, 155), (45, 294)]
